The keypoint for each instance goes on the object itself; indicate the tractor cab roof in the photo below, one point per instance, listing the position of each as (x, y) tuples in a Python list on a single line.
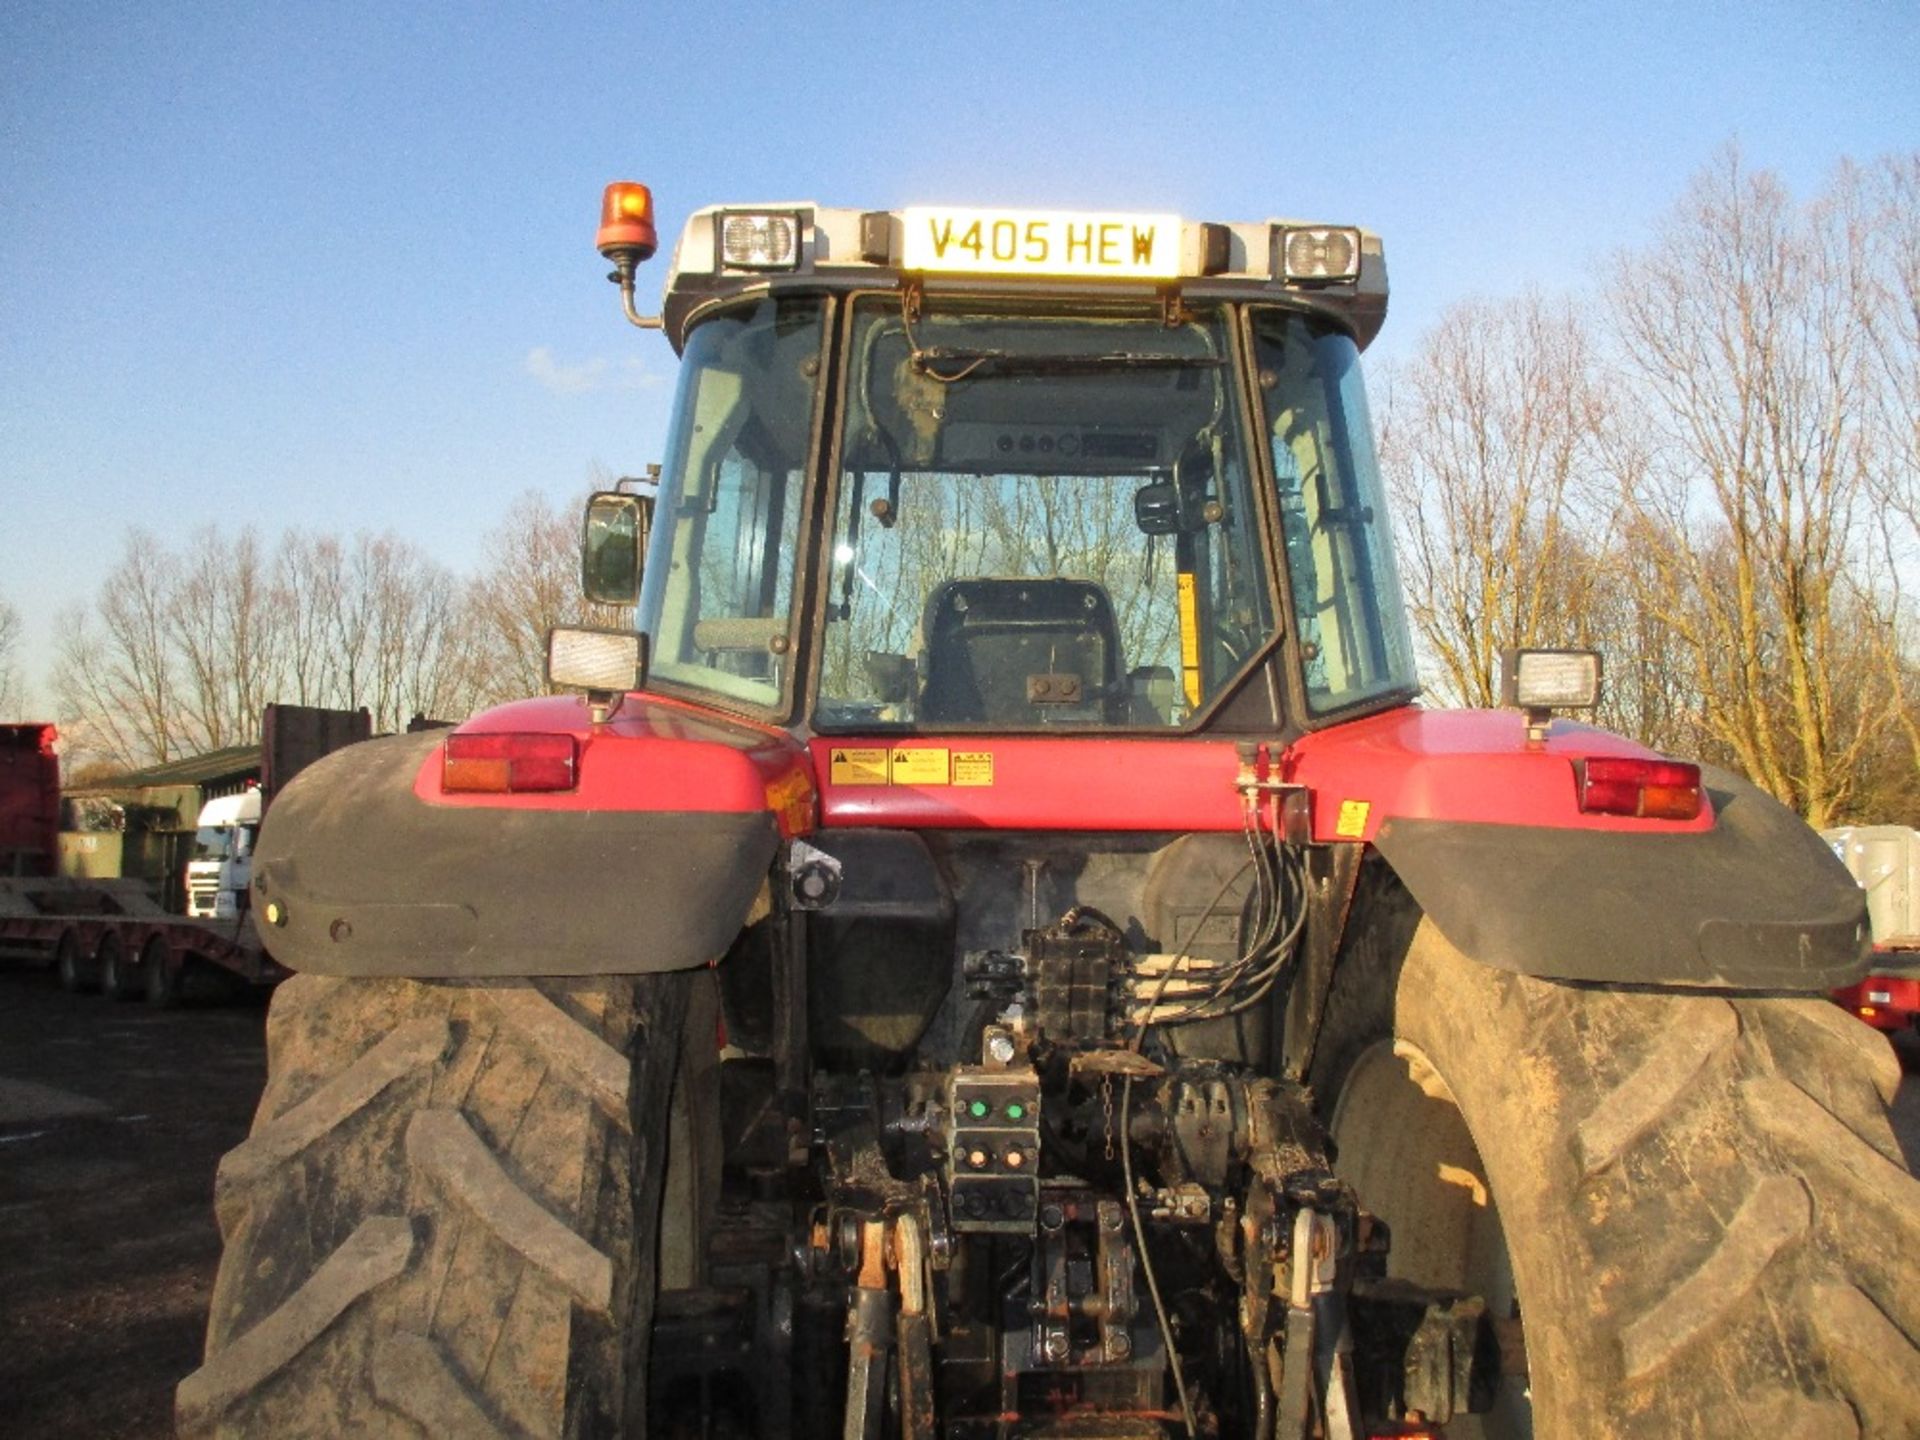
[(727, 251)]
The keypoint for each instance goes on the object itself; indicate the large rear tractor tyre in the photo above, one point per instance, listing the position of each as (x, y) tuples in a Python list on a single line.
[(1693, 1204), (445, 1220)]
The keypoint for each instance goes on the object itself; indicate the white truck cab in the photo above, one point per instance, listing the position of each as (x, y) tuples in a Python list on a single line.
[(222, 863)]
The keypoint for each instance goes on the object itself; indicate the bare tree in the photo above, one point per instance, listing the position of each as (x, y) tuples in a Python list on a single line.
[(1490, 447), (229, 631), (372, 622), (1743, 338), (115, 675), (308, 574), (529, 583), (13, 697), (1883, 206)]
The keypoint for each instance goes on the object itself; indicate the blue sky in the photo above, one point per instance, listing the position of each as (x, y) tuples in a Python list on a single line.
[(331, 265)]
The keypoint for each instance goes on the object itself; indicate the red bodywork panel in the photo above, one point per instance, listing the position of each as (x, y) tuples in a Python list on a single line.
[(656, 754), (660, 754), (1472, 766), (1069, 782)]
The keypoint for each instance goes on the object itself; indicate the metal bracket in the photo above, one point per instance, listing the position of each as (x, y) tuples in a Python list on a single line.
[(1333, 877)]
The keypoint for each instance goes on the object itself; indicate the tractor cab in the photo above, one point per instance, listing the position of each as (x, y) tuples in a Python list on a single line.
[(948, 470)]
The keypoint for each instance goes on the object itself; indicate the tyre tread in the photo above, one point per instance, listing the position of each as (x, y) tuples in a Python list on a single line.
[(1664, 1078), (1776, 1215), (378, 1250), (490, 1119), (445, 1147), (410, 1375)]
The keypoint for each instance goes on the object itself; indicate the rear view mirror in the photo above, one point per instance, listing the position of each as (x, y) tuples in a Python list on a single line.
[(1156, 508), (612, 544)]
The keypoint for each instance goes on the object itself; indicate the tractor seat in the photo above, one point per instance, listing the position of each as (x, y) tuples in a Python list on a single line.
[(1021, 654)]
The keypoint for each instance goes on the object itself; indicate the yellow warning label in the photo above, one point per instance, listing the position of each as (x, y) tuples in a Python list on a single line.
[(1188, 601), (920, 767), (848, 766), (1352, 824), (973, 767)]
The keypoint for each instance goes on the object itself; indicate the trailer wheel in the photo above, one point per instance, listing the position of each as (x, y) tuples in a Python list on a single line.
[(446, 1217), (1693, 1204), (159, 980), (67, 964), (117, 980)]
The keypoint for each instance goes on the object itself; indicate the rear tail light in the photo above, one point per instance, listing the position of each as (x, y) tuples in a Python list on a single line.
[(1650, 789), (508, 763)]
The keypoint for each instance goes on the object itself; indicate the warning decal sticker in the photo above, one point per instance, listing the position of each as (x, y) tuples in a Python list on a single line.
[(920, 767), (849, 766), (1352, 824), (973, 767)]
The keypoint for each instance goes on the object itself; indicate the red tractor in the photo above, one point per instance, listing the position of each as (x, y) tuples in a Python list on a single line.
[(997, 950)]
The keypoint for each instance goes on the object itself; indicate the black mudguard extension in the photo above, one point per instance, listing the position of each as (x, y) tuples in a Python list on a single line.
[(368, 880), (1757, 903)]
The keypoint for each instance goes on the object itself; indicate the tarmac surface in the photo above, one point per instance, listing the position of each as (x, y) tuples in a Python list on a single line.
[(112, 1119)]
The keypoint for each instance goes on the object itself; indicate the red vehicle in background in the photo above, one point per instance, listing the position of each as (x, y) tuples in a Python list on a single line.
[(1885, 859)]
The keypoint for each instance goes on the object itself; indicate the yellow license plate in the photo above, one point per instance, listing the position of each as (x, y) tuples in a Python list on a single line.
[(1041, 242)]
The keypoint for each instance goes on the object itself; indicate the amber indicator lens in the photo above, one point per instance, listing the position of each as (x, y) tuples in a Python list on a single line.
[(1648, 789), (510, 763)]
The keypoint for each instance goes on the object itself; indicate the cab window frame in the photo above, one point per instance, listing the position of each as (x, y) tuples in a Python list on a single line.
[(799, 565), (1250, 434)]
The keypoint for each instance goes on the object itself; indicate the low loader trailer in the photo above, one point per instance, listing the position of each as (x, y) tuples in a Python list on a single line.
[(110, 934), (107, 934)]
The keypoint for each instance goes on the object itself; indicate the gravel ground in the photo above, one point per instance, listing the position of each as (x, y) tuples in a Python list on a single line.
[(112, 1118)]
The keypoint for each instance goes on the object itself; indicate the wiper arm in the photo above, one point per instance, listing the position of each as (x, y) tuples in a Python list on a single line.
[(947, 364)]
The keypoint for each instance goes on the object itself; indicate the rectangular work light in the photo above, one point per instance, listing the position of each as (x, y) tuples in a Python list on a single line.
[(1321, 255), (598, 661), (757, 240), (1550, 679)]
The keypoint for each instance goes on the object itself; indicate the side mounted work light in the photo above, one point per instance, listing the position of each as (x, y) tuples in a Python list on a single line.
[(1542, 681), (604, 663)]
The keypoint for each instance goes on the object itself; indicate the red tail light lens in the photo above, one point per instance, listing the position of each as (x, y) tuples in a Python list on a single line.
[(508, 763), (1650, 789)]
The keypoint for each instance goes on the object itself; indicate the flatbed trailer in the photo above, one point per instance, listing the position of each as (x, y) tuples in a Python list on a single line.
[(110, 935)]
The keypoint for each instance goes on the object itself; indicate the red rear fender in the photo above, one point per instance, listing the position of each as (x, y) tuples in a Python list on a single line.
[(1471, 766)]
